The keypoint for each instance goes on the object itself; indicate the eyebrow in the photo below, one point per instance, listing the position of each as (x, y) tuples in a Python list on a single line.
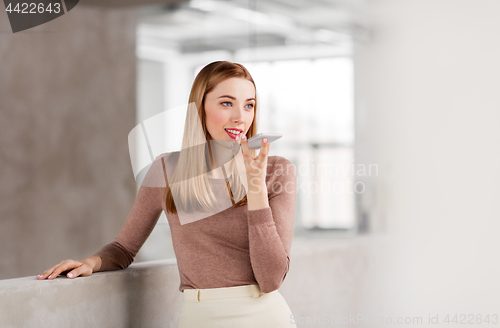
[(226, 96)]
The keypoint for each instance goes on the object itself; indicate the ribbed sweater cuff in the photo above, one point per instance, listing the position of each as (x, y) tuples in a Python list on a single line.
[(263, 215)]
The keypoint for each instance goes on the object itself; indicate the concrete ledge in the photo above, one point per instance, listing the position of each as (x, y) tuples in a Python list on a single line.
[(326, 276), (143, 295)]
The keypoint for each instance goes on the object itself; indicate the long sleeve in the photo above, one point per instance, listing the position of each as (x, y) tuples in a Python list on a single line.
[(271, 229), (140, 222)]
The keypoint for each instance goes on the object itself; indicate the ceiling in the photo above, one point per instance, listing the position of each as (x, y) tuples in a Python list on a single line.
[(230, 25)]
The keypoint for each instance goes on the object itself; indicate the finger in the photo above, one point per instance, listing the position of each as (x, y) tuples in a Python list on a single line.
[(238, 138), (264, 150), (245, 149), (266, 146), (75, 273), (237, 144), (47, 272), (83, 270), (63, 267)]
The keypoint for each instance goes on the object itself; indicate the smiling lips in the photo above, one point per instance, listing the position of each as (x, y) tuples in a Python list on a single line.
[(233, 132)]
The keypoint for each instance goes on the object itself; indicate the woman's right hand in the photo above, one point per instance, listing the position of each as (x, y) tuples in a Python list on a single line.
[(80, 268)]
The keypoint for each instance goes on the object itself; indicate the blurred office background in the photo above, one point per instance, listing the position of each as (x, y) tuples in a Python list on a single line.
[(388, 108)]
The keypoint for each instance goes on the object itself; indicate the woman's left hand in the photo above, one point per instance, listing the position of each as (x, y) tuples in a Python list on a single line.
[(256, 168)]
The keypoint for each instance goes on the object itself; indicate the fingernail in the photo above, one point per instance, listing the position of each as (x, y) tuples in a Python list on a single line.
[(237, 138), (70, 275), (49, 276), (243, 137), (265, 140)]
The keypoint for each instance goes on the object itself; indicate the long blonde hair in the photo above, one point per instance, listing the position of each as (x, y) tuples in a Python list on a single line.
[(189, 181)]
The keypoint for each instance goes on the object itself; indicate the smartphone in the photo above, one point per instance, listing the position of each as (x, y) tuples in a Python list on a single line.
[(255, 141)]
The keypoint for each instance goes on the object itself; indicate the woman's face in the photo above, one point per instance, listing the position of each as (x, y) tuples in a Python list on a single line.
[(230, 106)]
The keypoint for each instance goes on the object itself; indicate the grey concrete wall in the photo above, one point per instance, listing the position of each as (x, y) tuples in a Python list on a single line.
[(323, 284), (67, 104)]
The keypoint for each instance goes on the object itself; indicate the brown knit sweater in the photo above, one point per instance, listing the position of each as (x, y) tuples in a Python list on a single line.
[(232, 248)]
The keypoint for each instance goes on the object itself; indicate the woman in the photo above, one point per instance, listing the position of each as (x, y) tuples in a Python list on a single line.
[(231, 213)]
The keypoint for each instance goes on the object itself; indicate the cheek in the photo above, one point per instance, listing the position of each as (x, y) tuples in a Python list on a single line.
[(216, 120), (249, 119)]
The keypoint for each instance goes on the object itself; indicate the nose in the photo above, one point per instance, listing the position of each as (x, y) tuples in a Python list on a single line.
[(237, 114)]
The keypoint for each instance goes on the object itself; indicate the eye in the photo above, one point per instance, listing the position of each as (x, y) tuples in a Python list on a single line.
[(225, 102), (251, 105)]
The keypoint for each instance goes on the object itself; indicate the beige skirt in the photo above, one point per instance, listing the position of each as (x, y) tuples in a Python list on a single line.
[(241, 306)]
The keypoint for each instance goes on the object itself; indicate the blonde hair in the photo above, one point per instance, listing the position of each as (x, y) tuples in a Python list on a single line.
[(189, 181)]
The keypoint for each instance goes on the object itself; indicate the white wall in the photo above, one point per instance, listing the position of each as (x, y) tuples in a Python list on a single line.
[(428, 113)]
